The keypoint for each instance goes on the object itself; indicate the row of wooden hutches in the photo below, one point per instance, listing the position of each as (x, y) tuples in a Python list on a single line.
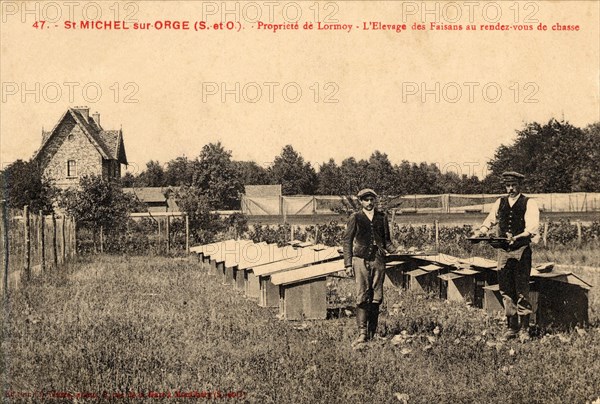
[(294, 278)]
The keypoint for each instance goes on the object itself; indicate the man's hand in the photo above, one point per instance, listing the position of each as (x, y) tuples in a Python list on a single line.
[(481, 232), (349, 271)]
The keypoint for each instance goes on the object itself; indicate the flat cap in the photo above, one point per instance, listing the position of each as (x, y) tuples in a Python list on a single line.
[(365, 192), (512, 175)]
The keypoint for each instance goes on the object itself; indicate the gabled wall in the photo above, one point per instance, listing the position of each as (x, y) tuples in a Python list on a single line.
[(69, 143)]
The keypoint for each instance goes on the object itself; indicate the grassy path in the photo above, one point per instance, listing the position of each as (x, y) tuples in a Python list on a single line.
[(142, 327)]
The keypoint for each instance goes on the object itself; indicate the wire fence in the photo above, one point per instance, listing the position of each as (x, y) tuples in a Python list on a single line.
[(442, 203)]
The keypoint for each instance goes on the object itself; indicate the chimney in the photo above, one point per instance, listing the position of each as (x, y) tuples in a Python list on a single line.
[(96, 117), (85, 112)]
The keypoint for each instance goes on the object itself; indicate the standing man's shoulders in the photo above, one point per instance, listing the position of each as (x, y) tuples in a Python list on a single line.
[(352, 218), (379, 213), (353, 215)]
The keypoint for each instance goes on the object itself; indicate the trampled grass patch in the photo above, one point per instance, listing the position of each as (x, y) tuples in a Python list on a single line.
[(138, 330)]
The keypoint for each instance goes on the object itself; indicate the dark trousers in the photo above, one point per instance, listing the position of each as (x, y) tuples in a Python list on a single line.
[(369, 276), (514, 268)]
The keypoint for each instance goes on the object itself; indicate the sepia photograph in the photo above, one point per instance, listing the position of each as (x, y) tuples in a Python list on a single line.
[(300, 201)]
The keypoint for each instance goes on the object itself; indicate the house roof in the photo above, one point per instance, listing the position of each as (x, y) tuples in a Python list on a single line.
[(148, 194), (156, 196), (109, 143)]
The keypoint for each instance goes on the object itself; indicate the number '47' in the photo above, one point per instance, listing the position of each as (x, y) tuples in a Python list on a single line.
[(39, 24)]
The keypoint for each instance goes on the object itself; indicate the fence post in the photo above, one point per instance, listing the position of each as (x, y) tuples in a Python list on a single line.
[(168, 229), (64, 240), (73, 237), (42, 243), (436, 223), (283, 210), (101, 239), (159, 235), (4, 226), (54, 242), (546, 233), (579, 238), (392, 224), (187, 234), (27, 263)]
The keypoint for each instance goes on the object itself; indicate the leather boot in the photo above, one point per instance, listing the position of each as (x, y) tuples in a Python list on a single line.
[(524, 328), (373, 319), (361, 322), (512, 323)]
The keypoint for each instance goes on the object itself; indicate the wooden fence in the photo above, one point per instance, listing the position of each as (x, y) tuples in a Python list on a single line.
[(33, 244)]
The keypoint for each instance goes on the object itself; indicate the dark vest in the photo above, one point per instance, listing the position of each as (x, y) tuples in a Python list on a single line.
[(363, 238), (512, 219)]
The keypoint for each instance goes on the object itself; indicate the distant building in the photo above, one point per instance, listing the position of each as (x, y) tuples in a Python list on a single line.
[(154, 198), (77, 146)]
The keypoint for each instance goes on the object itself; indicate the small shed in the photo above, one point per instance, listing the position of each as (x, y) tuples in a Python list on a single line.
[(303, 291), (424, 279), (229, 257), (399, 265), (394, 270), (492, 300), (205, 251), (269, 293), (562, 299), (252, 281), (488, 271), (216, 256), (459, 285)]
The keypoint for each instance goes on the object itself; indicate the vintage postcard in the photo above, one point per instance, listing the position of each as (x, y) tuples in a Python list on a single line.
[(113, 88)]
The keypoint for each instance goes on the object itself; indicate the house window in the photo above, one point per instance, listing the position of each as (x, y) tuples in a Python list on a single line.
[(71, 168), (116, 171)]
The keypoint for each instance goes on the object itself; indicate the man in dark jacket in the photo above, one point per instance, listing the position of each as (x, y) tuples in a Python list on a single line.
[(517, 218), (366, 240)]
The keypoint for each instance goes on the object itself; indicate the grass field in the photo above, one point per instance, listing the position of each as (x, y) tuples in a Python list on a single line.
[(130, 329)]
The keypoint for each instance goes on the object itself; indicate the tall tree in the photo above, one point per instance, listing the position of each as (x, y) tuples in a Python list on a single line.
[(587, 177), (98, 203), (250, 173), (549, 155), (296, 176), (179, 172), (204, 224), (380, 174), (23, 184), (215, 175), (329, 179), (354, 175), (152, 176), (128, 180)]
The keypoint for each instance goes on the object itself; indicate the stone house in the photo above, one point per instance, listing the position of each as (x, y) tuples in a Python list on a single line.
[(78, 146)]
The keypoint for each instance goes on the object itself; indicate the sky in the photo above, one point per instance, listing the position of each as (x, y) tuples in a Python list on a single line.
[(442, 96)]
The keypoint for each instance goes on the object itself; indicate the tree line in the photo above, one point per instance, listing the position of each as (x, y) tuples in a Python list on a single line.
[(556, 157)]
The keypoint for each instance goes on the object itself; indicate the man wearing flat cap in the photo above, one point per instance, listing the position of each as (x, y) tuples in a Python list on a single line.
[(518, 218), (366, 240)]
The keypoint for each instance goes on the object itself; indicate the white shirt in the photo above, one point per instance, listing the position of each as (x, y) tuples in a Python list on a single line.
[(370, 213), (532, 215)]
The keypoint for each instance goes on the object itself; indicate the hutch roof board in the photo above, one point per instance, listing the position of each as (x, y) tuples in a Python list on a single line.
[(306, 257), (307, 272)]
